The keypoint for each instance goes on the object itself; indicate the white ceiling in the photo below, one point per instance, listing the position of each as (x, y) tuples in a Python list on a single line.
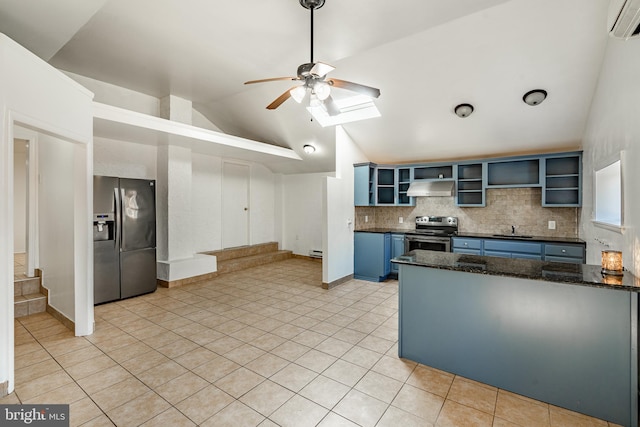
[(426, 56)]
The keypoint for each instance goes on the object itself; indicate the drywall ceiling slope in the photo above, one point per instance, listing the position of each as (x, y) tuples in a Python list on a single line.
[(426, 56), (44, 27)]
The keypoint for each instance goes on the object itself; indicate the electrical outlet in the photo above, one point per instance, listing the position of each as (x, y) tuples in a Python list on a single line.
[(400, 220), (366, 218), (552, 225)]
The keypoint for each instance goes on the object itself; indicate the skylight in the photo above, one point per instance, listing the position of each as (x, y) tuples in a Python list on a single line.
[(352, 109)]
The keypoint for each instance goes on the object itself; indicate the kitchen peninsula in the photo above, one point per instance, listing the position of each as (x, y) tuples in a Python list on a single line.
[(556, 332)]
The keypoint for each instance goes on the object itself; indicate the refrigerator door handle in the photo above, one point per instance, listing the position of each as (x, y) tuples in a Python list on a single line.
[(118, 221)]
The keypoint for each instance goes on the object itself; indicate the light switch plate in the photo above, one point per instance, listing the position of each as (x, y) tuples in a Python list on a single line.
[(400, 220), (552, 225)]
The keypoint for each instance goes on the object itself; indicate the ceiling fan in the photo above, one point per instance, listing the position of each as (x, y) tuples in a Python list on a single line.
[(313, 76)]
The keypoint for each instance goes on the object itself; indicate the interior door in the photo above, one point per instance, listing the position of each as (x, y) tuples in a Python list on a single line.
[(235, 205)]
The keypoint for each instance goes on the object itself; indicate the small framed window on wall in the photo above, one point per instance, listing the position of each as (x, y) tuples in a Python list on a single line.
[(608, 193)]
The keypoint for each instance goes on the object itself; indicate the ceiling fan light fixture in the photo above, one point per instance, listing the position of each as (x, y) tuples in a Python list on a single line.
[(463, 110), (298, 93), (535, 97), (322, 90), (309, 149), (314, 101)]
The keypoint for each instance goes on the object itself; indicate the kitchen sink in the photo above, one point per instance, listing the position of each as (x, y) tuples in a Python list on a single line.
[(513, 236)]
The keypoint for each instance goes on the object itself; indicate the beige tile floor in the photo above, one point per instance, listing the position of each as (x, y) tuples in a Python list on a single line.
[(262, 347)]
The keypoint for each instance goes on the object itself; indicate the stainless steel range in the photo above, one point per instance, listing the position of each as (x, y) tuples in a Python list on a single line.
[(432, 233)]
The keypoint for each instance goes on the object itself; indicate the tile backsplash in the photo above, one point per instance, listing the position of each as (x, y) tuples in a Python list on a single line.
[(521, 207)]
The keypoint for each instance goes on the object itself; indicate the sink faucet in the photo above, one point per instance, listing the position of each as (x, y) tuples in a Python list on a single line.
[(513, 230)]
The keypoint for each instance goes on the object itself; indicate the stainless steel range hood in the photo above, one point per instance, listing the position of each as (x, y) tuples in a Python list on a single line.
[(430, 189)]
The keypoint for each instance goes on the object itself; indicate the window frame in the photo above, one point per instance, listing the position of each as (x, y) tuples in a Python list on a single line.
[(598, 166)]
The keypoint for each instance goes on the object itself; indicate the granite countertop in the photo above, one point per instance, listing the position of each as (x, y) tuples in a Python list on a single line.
[(506, 236), (481, 235), (387, 230), (578, 274)]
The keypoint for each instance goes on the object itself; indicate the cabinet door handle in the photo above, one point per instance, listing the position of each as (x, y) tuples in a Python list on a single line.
[(466, 244), (564, 251)]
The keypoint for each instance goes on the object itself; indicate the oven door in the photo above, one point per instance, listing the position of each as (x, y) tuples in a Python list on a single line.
[(429, 243)]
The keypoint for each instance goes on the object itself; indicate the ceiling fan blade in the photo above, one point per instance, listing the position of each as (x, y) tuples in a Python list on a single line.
[(371, 92), (321, 69), (279, 100), (273, 79), (332, 108)]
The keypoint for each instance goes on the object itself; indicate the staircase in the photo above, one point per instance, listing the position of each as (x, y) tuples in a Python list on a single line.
[(242, 257), (27, 296)]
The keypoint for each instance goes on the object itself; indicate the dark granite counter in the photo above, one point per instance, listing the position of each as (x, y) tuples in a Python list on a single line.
[(578, 274), (387, 230), (523, 239), (546, 239)]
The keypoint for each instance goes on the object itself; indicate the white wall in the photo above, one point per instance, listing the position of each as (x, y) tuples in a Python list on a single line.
[(56, 221), (34, 94), (206, 203), (19, 196), (339, 210), (302, 213), (614, 126), (262, 205), (132, 160), (124, 159)]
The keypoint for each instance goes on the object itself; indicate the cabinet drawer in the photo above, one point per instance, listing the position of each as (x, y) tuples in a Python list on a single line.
[(467, 251), (467, 243), (575, 251), (566, 259), (511, 246)]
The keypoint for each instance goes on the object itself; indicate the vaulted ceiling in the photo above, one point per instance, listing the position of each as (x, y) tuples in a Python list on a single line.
[(426, 56)]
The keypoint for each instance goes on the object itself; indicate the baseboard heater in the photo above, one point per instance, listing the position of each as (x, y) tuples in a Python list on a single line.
[(314, 253)]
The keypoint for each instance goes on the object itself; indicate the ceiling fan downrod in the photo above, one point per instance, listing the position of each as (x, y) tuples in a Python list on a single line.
[(312, 5)]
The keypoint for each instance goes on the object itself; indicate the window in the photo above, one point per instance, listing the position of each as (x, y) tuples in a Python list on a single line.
[(608, 195)]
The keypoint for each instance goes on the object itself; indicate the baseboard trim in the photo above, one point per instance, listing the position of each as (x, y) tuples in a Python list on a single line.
[(4, 389), (70, 324), (307, 258), (186, 281), (335, 283)]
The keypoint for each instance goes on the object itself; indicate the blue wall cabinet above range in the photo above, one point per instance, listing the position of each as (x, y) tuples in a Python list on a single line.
[(372, 256)]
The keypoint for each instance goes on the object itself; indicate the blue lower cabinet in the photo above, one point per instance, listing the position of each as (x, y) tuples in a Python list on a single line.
[(371, 256), (513, 249), (461, 245), (564, 253), (397, 249)]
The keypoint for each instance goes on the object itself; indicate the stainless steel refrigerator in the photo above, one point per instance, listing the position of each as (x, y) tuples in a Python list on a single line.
[(124, 238)]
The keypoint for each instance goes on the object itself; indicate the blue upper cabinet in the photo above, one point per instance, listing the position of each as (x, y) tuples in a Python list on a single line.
[(386, 186), (364, 184), (470, 185), (381, 185), (404, 178), (562, 185), (559, 175), (513, 173)]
